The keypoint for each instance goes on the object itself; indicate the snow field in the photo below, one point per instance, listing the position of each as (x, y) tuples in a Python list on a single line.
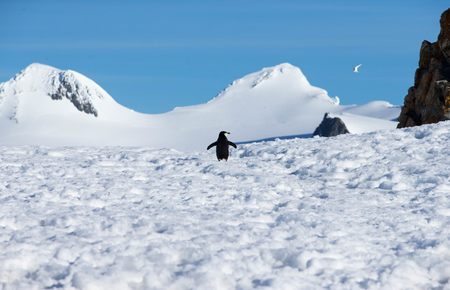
[(354, 211)]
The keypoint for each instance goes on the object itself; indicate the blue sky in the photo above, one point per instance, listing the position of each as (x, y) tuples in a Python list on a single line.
[(154, 55)]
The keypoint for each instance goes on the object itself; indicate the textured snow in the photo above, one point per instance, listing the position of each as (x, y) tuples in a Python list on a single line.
[(275, 101), (354, 211)]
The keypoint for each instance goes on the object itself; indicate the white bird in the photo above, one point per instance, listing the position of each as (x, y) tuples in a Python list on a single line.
[(355, 69)]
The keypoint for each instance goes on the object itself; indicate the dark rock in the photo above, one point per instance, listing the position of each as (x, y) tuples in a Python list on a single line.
[(330, 127), (425, 54), (428, 101), (71, 91), (444, 35)]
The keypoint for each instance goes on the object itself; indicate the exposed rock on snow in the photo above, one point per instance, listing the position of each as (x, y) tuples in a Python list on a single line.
[(67, 86), (330, 126), (428, 101)]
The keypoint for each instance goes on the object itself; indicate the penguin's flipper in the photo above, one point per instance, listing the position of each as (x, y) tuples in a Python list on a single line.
[(211, 145), (232, 144)]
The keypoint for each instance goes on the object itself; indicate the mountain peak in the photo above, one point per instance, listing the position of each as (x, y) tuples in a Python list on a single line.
[(283, 67), (40, 84), (37, 70), (283, 70), (275, 79), (39, 66)]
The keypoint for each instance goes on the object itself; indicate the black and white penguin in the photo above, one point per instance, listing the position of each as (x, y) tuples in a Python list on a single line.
[(222, 144)]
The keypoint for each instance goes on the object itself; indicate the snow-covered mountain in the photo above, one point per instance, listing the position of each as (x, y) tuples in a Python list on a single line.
[(48, 106), (44, 105)]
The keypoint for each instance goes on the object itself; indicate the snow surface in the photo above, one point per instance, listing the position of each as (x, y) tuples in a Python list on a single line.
[(275, 101), (353, 211), (357, 124), (375, 109)]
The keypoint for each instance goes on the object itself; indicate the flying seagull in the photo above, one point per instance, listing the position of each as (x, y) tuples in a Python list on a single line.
[(355, 69)]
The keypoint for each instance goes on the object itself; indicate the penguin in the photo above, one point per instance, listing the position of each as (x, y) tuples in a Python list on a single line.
[(222, 144)]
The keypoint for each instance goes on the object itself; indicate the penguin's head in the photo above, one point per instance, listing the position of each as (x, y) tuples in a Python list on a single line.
[(222, 133)]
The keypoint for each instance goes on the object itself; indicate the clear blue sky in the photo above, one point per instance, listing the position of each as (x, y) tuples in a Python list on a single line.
[(154, 55)]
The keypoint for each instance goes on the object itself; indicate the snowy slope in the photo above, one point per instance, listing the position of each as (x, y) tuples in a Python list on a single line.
[(357, 124), (47, 106), (356, 211), (375, 109), (373, 116)]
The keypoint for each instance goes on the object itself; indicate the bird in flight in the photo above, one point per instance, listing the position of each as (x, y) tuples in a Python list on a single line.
[(355, 69)]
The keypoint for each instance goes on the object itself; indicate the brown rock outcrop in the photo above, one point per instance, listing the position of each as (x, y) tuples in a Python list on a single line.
[(428, 101)]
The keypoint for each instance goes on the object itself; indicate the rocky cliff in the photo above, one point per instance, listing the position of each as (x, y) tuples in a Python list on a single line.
[(428, 101)]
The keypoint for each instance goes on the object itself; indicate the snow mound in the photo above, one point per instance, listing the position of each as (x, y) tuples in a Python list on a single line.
[(376, 109), (356, 211), (357, 124)]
